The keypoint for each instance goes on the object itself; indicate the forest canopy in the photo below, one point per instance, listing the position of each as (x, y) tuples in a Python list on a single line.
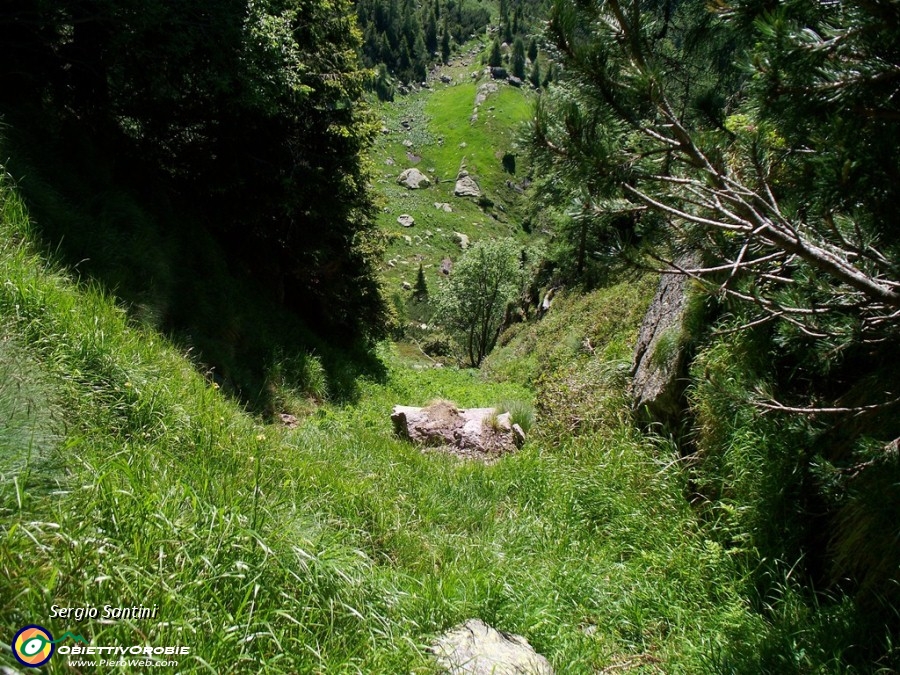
[(247, 110)]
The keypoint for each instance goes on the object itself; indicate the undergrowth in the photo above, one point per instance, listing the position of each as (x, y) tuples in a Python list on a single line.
[(335, 547)]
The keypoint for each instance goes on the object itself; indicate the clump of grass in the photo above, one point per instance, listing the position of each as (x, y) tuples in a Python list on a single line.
[(520, 412)]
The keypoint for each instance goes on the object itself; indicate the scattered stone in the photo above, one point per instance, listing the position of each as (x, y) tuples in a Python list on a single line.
[(443, 206), (446, 79), (385, 130), (499, 73), (514, 81), (475, 648), (466, 186), (446, 267), (390, 161), (413, 158), (406, 286), (462, 240), (407, 143), (413, 179), (405, 124), (484, 91), (408, 241), (288, 420), (406, 220), (504, 47), (475, 433), (463, 144)]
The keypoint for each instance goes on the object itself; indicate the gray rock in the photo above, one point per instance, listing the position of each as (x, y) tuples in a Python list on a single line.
[(446, 267), (443, 206), (474, 648), (475, 433), (406, 220), (466, 187), (498, 73), (413, 179), (446, 79), (407, 143), (484, 91), (406, 286), (657, 384), (462, 240), (514, 81)]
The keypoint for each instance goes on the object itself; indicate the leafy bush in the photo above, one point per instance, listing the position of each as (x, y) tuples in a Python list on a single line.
[(473, 302)]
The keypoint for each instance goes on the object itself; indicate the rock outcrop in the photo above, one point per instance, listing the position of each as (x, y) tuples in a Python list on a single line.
[(406, 220), (413, 179), (475, 648), (659, 356), (466, 186), (477, 433)]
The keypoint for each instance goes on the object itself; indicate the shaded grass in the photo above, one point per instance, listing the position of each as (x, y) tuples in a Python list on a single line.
[(336, 548)]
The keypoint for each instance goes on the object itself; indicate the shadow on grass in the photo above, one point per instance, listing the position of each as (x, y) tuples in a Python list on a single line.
[(106, 217)]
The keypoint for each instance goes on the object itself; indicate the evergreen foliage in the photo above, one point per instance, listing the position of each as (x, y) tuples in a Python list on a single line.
[(518, 58), (247, 112), (746, 132)]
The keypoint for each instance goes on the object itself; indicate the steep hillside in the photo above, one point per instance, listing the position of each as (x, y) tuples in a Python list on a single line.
[(438, 132), (335, 547)]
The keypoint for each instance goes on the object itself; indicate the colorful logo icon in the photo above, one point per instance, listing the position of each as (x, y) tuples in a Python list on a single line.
[(33, 646)]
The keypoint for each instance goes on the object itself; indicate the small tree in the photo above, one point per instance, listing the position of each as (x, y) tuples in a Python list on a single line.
[(473, 301), (420, 290), (445, 41), (495, 60), (518, 58)]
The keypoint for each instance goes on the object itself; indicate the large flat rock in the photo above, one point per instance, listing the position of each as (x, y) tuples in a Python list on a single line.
[(475, 648)]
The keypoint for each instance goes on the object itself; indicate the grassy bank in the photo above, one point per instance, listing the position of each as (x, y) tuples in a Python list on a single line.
[(128, 478)]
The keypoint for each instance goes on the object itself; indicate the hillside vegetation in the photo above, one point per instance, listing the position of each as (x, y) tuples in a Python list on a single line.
[(334, 547), (203, 250)]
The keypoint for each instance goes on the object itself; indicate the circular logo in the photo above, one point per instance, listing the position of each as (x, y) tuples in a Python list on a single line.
[(33, 646)]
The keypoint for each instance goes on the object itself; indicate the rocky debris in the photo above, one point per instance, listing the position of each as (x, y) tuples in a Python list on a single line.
[(462, 240), (413, 179), (446, 79), (657, 384), (446, 267), (514, 81), (443, 206), (466, 186), (475, 648), (406, 220), (407, 143), (288, 420), (484, 91), (390, 161), (475, 433), (406, 286)]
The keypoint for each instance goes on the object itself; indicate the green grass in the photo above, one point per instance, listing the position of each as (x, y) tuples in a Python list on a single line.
[(337, 548), (443, 139)]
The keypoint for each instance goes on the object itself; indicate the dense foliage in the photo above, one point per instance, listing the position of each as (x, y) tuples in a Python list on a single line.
[(245, 111), (763, 138), (473, 301)]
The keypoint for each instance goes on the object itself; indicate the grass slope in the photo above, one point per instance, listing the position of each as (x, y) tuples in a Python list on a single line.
[(333, 548), (443, 139)]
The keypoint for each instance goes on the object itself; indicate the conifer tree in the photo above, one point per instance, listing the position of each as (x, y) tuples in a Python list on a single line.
[(495, 60), (518, 58)]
